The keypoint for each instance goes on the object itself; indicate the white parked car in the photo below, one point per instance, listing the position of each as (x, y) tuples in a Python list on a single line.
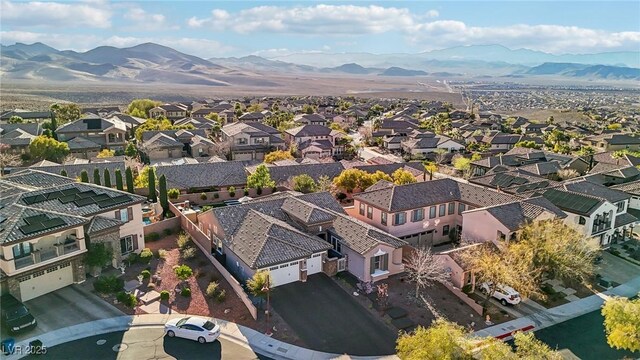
[(504, 294), (200, 329)]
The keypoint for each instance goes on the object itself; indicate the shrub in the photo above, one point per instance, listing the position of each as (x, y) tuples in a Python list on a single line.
[(246, 192), (212, 289), (203, 196), (127, 299), (173, 193), (108, 284), (232, 191), (152, 237), (341, 196), (146, 255), (162, 253), (164, 295), (183, 272), (132, 258), (186, 292), (466, 289), (146, 274), (221, 296), (259, 190), (167, 232), (183, 240), (188, 253)]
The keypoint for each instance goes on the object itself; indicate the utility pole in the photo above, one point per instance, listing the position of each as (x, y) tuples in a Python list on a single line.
[(266, 288)]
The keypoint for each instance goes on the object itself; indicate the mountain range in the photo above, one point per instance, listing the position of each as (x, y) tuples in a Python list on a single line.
[(149, 62)]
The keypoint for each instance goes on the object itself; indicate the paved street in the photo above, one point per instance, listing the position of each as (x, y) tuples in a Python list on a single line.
[(147, 343), (584, 336), (617, 269)]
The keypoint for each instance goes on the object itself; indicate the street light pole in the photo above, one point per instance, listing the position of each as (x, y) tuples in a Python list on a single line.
[(267, 289)]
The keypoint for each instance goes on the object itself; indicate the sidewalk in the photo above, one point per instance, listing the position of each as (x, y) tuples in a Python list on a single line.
[(549, 317), (254, 340)]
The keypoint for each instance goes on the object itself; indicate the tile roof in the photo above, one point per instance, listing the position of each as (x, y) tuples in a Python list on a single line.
[(516, 214), (204, 175), (573, 202), (632, 188), (81, 143), (625, 219), (596, 190), (309, 130), (100, 223), (17, 219)]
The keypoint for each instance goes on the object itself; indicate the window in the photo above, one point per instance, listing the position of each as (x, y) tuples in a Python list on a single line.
[(242, 141), (126, 244), (501, 236), (443, 210), (452, 208), (417, 215), (379, 263), (432, 212), (335, 242), (399, 218), (361, 209), (22, 250), (582, 220), (620, 206), (369, 212), (112, 138), (445, 230), (383, 218), (258, 141), (461, 208), (125, 215)]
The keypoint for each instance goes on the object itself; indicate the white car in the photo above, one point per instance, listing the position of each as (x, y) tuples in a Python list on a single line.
[(504, 294), (200, 329)]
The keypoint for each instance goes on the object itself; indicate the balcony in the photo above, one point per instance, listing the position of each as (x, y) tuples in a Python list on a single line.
[(51, 253)]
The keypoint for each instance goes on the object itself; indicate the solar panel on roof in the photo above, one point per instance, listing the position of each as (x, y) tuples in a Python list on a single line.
[(54, 195), (30, 229), (67, 198), (35, 219), (106, 203), (84, 202), (30, 200), (101, 197), (86, 194), (70, 191), (55, 222)]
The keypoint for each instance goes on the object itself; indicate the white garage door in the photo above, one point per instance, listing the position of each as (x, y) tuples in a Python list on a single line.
[(243, 156), (285, 273), (46, 281), (314, 265)]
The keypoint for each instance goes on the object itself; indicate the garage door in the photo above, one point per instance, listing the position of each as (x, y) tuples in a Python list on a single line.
[(242, 156), (46, 281), (285, 273)]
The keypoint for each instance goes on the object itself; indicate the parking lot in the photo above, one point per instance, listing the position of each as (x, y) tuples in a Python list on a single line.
[(68, 306)]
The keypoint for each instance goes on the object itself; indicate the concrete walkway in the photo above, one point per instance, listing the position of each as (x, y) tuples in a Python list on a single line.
[(254, 340), (549, 317)]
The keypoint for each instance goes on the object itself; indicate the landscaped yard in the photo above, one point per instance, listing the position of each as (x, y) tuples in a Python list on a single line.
[(228, 307)]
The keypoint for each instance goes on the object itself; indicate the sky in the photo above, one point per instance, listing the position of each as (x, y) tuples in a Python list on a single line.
[(275, 28)]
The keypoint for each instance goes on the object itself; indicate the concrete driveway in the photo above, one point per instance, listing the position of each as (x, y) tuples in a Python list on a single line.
[(613, 268), (68, 306), (327, 319)]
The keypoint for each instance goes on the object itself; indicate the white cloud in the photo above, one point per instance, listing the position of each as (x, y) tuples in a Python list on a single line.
[(420, 29), (204, 48), (138, 19), (93, 14)]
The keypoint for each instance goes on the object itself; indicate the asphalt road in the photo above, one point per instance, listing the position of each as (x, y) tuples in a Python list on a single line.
[(146, 343)]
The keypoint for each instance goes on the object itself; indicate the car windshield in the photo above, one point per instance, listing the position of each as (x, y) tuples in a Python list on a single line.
[(209, 325), (17, 312), (182, 321)]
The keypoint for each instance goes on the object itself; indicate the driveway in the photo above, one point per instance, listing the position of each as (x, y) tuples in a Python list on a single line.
[(327, 319), (68, 306), (617, 269)]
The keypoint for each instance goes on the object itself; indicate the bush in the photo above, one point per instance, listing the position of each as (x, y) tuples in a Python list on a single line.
[(259, 190), (152, 237), (221, 296), (183, 240), (466, 289), (146, 255), (108, 284), (614, 252), (547, 289), (188, 253), (132, 258), (246, 192), (232, 191), (127, 299), (186, 292), (212, 289), (183, 272), (203, 196), (164, 295), (167, 232), (173, 193), (146, 274), (162, 253), (341, 196)]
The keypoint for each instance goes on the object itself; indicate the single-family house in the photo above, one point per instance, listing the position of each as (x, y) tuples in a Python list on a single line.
[(251, 140), (315, 141), (169, 111), (108, 133)]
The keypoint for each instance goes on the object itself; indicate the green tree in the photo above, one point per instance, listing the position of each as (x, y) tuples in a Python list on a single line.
[(152, 186), (402, 177), (46, 148), (304, 184), (119, 184), (261, 178), (528, 144), (131, 150), (96, 176), (15, 119), (105, 153), (588, 152), (98, 255), (431, 168), (259, 283), (622, 323), (64, 113), (129, 179), (352, 179), (308, 109), (63, 172), (257, 107), (277, 155), (107, 178), (141, 107), (463, 164), (84, 176), (164, 202)]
